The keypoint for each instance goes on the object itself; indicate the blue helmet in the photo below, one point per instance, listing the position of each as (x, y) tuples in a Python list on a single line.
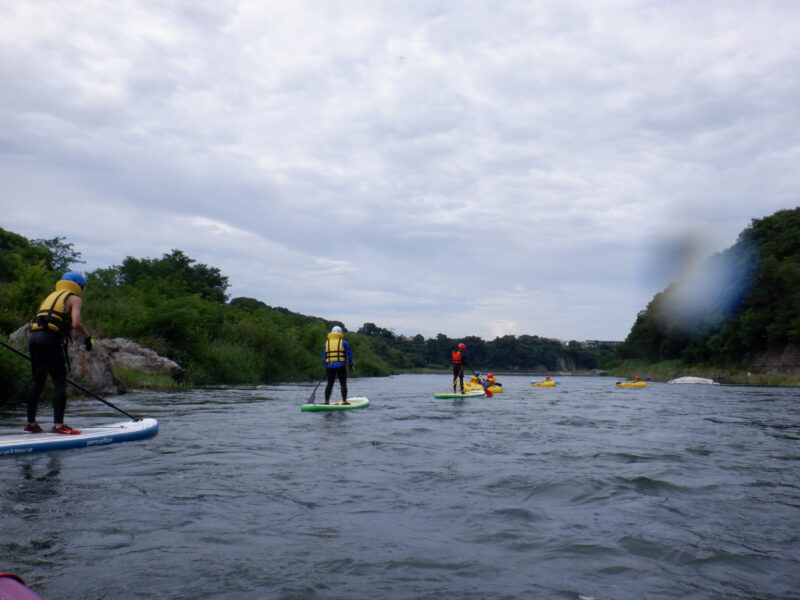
[(76, 277)]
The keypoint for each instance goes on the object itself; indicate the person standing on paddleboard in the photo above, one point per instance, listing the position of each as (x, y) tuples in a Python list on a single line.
[(459, 359), (336, 356), (51, 330)]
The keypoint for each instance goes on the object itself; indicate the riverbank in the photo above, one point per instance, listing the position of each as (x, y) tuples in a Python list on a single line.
[(662, 371), (670, 369)]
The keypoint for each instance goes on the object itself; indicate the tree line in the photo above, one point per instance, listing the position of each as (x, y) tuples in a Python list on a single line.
[(524, 353), (743, 300), (182, 310)]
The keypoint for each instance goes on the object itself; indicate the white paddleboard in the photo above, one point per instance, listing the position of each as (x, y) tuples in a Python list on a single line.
[(125, 431)]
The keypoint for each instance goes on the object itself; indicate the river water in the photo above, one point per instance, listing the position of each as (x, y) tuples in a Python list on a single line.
[(583, 491)]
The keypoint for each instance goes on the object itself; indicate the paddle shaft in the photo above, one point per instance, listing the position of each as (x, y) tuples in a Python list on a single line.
[(80, 387), (311, 399)]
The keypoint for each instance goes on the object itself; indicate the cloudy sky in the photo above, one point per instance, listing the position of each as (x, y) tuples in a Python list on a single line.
[(455, 166)]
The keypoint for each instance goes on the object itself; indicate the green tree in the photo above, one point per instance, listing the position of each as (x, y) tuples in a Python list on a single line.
[(749, 300), (180, 271)]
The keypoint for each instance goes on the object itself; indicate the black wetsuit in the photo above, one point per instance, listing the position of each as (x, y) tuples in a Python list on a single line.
[(341, 373), (48, 357)]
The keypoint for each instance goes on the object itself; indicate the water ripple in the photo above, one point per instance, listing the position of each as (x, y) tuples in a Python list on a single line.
[(585, 493)]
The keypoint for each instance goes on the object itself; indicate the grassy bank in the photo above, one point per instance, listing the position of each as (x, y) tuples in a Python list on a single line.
[(670, 369), (136, 380)]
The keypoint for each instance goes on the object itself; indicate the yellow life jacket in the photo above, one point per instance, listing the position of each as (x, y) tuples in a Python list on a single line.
[(52, 314), (334, 348)]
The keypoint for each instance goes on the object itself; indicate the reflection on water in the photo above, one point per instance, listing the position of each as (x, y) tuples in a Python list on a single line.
[(583, 490)]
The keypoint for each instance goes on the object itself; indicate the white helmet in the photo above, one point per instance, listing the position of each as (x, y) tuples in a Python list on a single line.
[(336, 329)]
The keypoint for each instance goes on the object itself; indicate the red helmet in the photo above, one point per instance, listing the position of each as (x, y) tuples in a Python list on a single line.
[(490, 375), (462, 346)]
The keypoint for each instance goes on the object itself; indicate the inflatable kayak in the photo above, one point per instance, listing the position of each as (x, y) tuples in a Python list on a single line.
[(471, 394), (14, 588), (126, 431), (632, 384), (357, 402), (471, 387), (543, 383)]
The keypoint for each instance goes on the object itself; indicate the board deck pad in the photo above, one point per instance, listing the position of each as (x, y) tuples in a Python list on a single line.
[(472, 394), (356, 402)]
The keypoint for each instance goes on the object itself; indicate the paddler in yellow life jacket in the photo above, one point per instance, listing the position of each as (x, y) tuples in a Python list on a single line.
[(336, 355), (58, 316)]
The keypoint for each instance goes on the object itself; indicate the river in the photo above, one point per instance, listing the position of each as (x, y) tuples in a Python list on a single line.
[(583, 491)]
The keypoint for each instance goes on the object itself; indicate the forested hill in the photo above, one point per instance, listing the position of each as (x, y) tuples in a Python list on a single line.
[(181, 309), (742, 303)]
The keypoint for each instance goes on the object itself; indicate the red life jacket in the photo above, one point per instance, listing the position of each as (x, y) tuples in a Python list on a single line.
[(456, 357)]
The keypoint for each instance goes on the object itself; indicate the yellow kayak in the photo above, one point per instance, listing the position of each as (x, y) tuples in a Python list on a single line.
[(543, 383), (470, 386), (636, 384)]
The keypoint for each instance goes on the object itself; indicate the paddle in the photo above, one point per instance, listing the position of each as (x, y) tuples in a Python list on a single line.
[(80, 387), (311, 399)]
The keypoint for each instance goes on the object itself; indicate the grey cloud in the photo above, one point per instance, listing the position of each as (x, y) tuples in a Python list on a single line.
[(388, 158)]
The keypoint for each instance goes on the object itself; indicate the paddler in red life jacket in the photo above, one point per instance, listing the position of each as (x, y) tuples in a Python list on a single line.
[(51, 329), (335, 356), (459, 359)]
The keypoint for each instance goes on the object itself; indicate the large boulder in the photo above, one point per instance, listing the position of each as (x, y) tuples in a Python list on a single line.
[(94, 370), (125, 354)]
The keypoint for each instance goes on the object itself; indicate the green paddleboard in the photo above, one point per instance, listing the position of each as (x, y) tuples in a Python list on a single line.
[(472, 394), (359, 402)]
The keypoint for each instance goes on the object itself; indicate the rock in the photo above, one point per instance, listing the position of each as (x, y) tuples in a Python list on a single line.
[(701, 380), (94, 370), (126, 354)]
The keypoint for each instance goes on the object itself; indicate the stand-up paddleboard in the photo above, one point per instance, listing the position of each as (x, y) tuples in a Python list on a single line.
[(357, 402), (126, 431), (472, 394)]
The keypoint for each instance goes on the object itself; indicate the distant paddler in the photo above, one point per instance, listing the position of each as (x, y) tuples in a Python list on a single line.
[(336, 356), (546, 383), (458, 357), (636, 383), (490, 378), (492, 384)]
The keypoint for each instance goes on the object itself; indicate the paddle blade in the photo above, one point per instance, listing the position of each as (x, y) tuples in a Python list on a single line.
[(311, 398)]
